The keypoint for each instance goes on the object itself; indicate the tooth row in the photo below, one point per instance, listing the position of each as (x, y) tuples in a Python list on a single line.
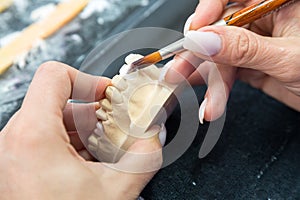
[(93, 139)]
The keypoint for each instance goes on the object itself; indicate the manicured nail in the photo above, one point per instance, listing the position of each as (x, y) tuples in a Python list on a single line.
[(165, 69), (205, 43), (202, 110), (187, 25), (162, 135)]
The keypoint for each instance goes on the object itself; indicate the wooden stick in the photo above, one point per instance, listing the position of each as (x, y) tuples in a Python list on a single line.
[(4, 4), (63, 13), (240, 18)]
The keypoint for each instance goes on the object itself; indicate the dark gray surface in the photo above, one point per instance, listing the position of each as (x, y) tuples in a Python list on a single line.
[(257, 156), (260, 138)]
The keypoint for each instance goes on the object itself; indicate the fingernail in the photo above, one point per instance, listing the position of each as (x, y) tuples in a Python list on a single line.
[(164, 70), (187, 25), (202, 110), (172, 75), (205, 43), (162, 135)]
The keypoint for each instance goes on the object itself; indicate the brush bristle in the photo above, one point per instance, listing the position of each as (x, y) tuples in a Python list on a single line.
[(148, 60)]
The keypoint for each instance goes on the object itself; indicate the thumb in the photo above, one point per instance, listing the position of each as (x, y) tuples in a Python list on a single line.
[(235, 46), (144, 156), (140, 163)]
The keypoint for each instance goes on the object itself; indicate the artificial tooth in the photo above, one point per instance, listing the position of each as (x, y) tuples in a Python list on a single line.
[(113, 95), (152, 73), (100, 126), (93, 140), (98, 132), (101, 114), (92, 148), (119, 82), (106, 105)]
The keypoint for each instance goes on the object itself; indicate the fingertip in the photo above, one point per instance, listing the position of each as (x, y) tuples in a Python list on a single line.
[(173, 75), (183, 66), (165, 70), (103, 83), (198, 20), (215, 106), (145, 146), (207, 12), (188, 23)]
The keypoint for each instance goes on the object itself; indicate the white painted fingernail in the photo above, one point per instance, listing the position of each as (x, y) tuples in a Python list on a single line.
[(162, 135), (205, 43), (165, 69), (188, 22), (202, 110)]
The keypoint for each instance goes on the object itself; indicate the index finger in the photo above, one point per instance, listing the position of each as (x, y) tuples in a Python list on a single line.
[(210, 11), (207, 12)]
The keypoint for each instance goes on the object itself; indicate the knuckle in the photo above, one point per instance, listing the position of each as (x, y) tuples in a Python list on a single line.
[(245, 48)]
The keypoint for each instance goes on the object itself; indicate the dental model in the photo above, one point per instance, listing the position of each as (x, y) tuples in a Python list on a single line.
[(134, 103)]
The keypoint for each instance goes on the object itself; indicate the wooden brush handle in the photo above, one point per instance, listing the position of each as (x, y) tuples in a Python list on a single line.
[(254, 12)]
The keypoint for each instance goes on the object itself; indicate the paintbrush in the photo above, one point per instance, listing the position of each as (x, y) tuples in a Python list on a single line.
[(239, 18)]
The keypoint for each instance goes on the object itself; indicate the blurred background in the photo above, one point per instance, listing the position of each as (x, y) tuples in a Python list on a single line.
[(258, 154)]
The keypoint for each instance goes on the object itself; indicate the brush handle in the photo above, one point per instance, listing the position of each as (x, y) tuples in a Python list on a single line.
[(239, 18), (254, 12)]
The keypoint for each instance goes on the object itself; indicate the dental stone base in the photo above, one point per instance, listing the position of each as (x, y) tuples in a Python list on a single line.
[(134, 103)]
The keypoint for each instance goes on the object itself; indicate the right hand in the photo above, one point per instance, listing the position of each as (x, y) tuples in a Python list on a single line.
[(266, 56)]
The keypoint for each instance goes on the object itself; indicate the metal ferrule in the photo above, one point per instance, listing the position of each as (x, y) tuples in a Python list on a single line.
[(172, 49), (220, 23)]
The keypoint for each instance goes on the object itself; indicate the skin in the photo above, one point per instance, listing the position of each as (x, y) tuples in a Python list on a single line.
[(264, 54), (40, 160)]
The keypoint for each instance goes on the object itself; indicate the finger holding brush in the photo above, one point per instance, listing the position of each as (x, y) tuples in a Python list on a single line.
[(266, 56)]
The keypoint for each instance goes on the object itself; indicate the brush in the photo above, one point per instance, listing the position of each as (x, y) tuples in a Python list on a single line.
[(239, 18)]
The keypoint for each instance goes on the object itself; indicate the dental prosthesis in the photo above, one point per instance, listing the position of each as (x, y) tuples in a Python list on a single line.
[(134, 103)]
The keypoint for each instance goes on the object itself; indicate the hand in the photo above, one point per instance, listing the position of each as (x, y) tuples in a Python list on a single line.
[(266, 56), (37, 158)]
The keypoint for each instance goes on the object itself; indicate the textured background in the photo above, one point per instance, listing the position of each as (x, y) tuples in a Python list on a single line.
[(258, 154)]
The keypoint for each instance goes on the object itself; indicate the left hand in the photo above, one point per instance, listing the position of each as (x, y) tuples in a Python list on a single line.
[(37, 160)]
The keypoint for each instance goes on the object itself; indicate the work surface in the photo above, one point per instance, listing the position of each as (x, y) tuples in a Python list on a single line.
[(257, 156)]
